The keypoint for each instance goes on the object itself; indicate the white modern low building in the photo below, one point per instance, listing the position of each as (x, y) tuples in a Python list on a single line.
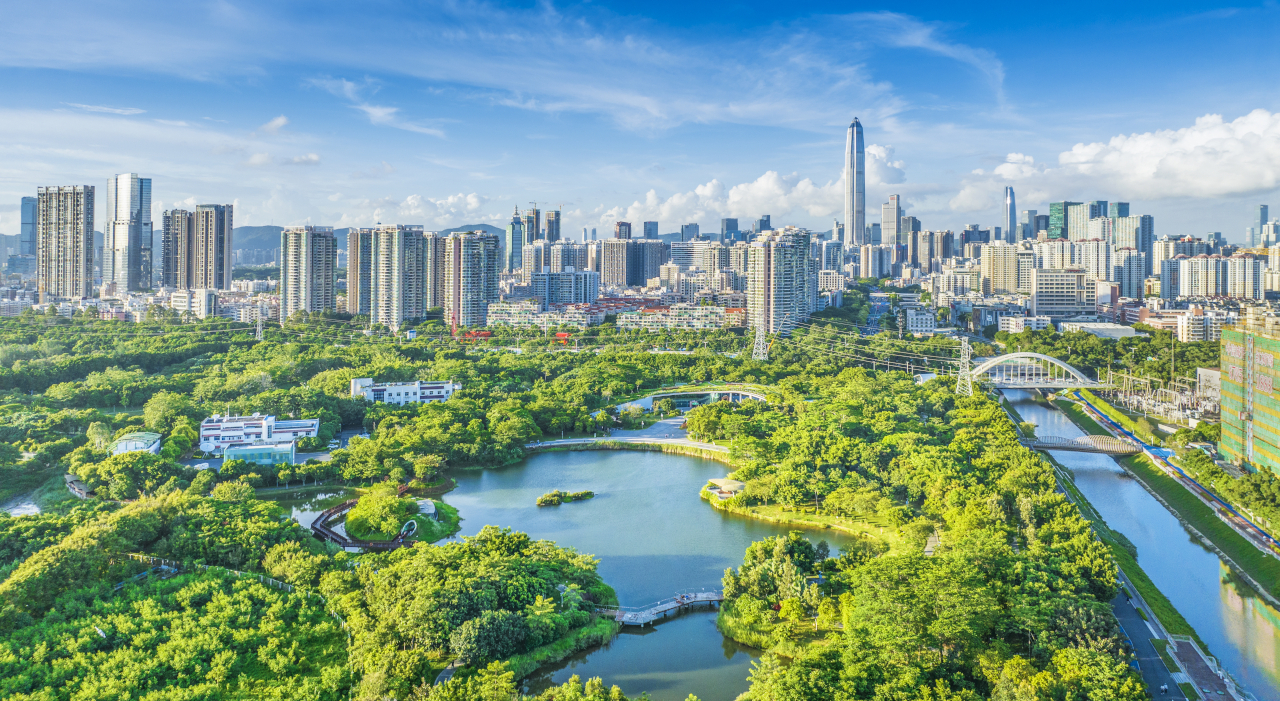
[(219, 432), (920, 321), (142, 440), (1099, 329), (402, 392), (1018, 324)]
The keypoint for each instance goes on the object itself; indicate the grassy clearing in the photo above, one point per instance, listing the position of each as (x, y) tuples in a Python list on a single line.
[(597, 632), (430, 530), (1262, 567), (1122, 418), (876, 527)]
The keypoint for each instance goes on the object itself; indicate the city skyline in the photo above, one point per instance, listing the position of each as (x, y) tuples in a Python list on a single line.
[(354, 137)]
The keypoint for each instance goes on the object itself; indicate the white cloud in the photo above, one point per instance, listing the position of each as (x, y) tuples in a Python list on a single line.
[(306, 159), (1212, 158), (259, 159), (108, 110), (435, 213), (778, 195), (381, 115), (881, 168), (275, 125)]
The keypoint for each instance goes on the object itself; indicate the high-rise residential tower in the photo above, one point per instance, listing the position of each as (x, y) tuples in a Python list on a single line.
[(126, 243), (359, 270), (176, 230), (308, 269), (470, 277), (27, 234), (779, 284), (211, 247), (1010, 217), (64, 242), (398, 273), (553, 225), (855, 186)]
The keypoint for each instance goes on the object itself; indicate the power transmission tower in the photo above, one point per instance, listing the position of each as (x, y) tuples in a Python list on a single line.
[(761, 350), (259, 334), (964, 383)]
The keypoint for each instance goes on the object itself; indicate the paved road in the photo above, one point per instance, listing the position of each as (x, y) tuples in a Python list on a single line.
[(1154, 673)]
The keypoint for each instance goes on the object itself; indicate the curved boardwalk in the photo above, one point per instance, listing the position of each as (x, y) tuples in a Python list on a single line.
[(322, 530)]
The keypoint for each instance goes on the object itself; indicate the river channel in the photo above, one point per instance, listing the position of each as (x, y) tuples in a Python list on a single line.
[(1239, 627)]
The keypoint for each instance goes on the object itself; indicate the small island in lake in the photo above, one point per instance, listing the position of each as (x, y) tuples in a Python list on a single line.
[(558, 497)]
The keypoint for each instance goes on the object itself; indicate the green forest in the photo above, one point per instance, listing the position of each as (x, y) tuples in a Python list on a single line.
[(1011, 601)]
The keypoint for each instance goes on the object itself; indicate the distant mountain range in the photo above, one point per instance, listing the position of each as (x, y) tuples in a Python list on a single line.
[(269, 236)]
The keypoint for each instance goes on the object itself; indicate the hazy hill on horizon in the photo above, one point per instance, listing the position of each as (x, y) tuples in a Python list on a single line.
[(268, 236)]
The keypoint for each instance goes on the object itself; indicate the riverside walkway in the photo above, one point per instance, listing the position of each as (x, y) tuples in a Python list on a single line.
[(640, 616)]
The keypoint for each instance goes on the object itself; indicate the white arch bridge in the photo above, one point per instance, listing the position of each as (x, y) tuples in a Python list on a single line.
[(1030, 371)]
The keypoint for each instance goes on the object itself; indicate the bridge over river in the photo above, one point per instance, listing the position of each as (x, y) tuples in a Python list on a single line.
[(639, 616), (1109, 445)]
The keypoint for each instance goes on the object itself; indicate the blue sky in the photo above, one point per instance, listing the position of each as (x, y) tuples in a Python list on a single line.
[(444, 114)]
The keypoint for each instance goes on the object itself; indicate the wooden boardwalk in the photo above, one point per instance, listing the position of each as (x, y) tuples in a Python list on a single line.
[(631, 616), (320, 527)]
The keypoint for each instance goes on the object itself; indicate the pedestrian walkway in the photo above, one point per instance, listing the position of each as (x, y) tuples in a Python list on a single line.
[(631, 616), (1154, 672)]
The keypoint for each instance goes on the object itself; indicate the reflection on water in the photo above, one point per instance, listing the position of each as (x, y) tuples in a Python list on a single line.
[(304, 505), (1241, 630), (654, 536), (671, 660)]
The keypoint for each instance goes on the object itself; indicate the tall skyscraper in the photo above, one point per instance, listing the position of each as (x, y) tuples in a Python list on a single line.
[(359, 270), (621, 230), (855, 186), (728, 227), (764, 223), (532, 225), (891, 220), (553, 225), (688, 232), (1027, 225), (512, 243), (1262, 221), (651, 229), (27, 234), (177, 226), (308, 269), (1010, 229), (211, 247), (64, 242), (1118, 209), (470, 277), (1060, 219), (126, 245)]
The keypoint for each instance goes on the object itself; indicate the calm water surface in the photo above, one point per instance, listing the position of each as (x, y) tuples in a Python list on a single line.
[(1241, 630), (654, 536)]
